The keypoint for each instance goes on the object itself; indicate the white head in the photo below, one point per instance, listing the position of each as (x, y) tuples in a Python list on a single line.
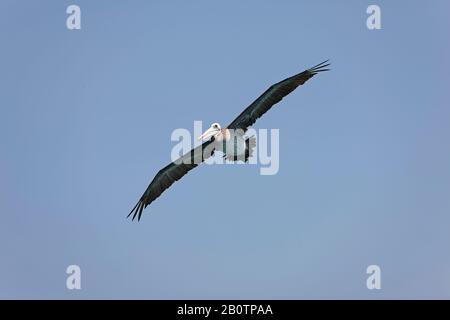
[(212, 131)]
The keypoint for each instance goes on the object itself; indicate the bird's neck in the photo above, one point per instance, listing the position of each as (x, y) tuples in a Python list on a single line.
[(224, 134)]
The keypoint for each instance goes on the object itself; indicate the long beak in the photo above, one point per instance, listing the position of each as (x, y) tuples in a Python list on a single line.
[(207, 134)]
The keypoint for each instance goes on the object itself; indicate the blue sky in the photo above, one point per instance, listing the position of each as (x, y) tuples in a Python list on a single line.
[(364, 150)]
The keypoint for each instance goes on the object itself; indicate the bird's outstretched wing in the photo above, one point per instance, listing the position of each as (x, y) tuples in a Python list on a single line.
[(171, 173), (274, 95)]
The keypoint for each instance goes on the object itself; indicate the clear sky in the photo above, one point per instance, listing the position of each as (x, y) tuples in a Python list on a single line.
[(86, 119)]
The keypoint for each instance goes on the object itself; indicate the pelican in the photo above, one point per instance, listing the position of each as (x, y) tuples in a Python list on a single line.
[(230, 139)]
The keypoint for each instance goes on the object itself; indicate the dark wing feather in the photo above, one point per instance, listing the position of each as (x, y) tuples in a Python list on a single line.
[(171, 173), (274, 95)]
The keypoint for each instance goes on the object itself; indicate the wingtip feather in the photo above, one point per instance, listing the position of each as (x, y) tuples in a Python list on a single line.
[(133, 209), (137, 210), (321, 67)]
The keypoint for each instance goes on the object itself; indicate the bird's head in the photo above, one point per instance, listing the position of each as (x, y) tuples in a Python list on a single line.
[(212, 131)]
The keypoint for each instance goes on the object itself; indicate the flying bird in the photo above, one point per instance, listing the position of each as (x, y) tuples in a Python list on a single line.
[(230, 139)]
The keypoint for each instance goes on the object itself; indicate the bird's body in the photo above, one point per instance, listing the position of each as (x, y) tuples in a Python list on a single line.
[(232, 143), (231, 140), (234, 147)]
